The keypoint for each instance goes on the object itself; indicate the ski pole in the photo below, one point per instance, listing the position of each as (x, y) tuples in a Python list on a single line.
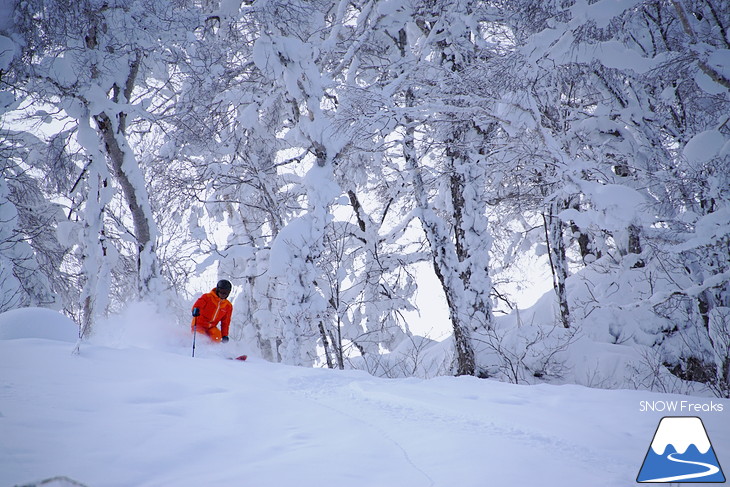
[(196, 313)]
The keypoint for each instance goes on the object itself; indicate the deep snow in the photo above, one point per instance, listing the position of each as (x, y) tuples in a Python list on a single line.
[(134, 409)]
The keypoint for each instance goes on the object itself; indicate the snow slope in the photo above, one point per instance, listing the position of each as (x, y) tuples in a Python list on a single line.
[(119, 415)]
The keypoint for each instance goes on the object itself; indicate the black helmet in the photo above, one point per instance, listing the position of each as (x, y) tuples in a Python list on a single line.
[(224, 285)]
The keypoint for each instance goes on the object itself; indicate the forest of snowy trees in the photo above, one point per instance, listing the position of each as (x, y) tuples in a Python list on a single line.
[(317, 152)]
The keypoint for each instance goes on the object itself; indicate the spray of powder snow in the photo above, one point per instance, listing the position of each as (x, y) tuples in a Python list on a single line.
[(141, 325)]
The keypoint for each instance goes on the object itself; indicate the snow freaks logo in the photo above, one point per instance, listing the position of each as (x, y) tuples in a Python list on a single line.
[(681, 451)]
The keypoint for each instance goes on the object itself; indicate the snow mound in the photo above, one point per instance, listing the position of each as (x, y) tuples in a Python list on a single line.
[(56, 482), (37, 323)]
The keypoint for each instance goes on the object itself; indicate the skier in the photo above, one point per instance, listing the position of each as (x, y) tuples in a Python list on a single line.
[(213, 308)]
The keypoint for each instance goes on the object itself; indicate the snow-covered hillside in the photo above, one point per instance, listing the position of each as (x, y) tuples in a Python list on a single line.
[(118, 414)]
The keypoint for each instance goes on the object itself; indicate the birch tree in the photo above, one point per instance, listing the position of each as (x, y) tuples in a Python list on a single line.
[(446, 163), (91, 63)]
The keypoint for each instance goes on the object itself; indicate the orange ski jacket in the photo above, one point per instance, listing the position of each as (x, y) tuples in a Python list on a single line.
[(212, 311)]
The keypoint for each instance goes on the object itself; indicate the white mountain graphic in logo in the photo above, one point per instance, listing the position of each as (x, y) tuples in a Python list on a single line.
[(681, 451)]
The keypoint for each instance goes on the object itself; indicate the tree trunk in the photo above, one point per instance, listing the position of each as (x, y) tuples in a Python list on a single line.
[(444, 256), (558, 261), (326, 345), (634, 246), (586, 244), (130, 178)]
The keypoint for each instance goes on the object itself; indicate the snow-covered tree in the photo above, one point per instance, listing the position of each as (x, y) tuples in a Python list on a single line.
[(30, 254), (311, 72), (626, 137), (90, 63)]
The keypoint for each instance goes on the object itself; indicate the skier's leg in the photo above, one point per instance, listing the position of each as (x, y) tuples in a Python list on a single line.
[(214, 334)]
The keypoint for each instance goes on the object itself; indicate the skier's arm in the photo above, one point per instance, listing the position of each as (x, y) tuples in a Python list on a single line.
[(199, 303), (203, 312)]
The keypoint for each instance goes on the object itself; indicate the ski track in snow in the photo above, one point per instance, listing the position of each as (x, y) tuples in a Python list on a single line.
[(398, 409), (419, 470)]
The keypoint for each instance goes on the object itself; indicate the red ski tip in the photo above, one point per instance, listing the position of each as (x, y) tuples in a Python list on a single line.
[(242, 357)]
